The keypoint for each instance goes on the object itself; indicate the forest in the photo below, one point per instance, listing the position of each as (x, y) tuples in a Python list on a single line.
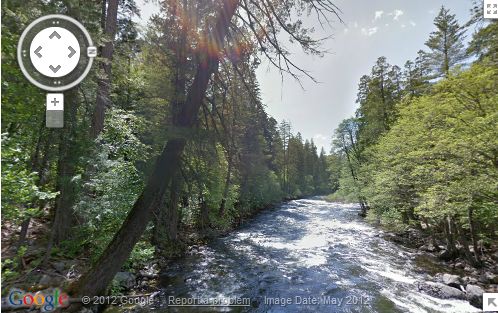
[(168, 138), (421, 150), (167, 143)]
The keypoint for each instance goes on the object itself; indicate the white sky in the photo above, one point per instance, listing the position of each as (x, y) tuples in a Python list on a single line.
[(396, 29)]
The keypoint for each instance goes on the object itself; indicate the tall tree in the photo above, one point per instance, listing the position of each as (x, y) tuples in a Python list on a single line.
[(109, 22), (416, 75), (96, 280), (446, 43), (211, 46)]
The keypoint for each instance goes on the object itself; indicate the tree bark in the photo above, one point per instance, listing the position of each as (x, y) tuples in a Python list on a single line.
[(204, 222), (166, 216), (66, 169), (226, 189), (473, 236), (165, 228), (172, 212), (95, 281), (450, 237), (104, 83)]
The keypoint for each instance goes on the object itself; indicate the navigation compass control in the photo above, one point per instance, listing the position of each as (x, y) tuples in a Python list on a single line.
[(55, 53)]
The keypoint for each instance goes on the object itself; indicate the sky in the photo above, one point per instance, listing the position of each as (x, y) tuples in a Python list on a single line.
[(396, 29)]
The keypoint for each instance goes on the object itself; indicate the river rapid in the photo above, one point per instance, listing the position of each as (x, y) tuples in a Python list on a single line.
[(303, 256)]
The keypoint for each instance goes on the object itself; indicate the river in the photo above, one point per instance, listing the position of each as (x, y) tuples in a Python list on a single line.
[(304, 256)]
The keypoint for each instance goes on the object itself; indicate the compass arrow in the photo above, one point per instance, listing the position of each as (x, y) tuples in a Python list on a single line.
[(55, 69), (72, 52), (55, 34), (37, 52)]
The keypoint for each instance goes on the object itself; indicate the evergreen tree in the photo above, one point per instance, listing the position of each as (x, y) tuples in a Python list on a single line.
[(446, 43)]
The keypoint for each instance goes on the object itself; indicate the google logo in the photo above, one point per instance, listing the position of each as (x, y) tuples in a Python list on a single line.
[(48, 302)]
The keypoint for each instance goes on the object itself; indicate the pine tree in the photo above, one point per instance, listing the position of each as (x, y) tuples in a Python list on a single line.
[(446, 43)]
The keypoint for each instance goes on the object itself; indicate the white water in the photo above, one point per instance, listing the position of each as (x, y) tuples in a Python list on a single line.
[(305, 248)]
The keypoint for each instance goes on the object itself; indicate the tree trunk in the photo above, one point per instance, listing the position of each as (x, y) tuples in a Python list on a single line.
[(473, 236), (95, 281), (226, 189), (172, 213), (66, 169), (465, 245), (104, 83), (166, 228), (166, 217), (450, 238), (204, 222)]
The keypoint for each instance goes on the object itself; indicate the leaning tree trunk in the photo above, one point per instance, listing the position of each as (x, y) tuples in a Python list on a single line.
[(166, 219), (172, 216), (104, 83), (166, 216), (95, 281)]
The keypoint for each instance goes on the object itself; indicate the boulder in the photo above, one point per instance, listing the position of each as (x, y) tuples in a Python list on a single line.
[(460, 265), (469, 280), (45, 280), (429, 247), (451, 280), (474, 295), (148, 274), (447, 255), (488, 278), (440, 291), (59, 266), (125, 280)]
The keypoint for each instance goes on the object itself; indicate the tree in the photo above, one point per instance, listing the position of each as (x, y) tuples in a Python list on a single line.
[(109, 25), (211, 46), (437, 165), (416, 75), (345, 142), (377, 96), (446, 43)]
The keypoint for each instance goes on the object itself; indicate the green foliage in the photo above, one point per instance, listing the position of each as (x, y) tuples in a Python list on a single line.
[(115, 182), (437, 162), (20, 191), (235, 162), (421, 153)]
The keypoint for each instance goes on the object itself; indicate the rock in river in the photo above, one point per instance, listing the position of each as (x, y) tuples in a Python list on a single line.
[(474, 295), (440, 291), (125, 280)]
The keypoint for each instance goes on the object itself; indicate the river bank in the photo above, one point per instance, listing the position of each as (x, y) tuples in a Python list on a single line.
[(60, 272), (449, 278)]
